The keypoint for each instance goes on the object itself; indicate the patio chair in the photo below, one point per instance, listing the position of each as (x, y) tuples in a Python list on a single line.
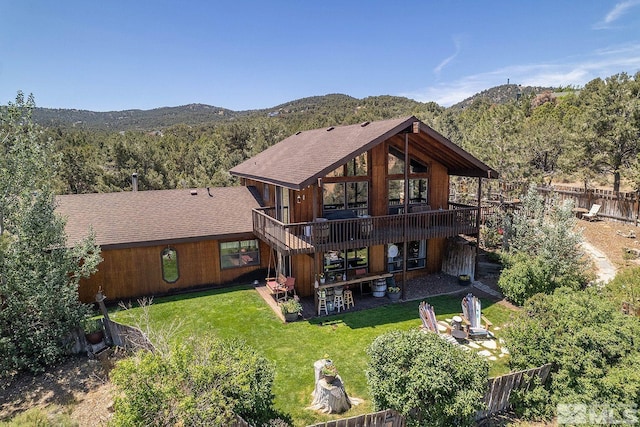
[(592, 215), (281, 285), (473, 318), (430, 324)]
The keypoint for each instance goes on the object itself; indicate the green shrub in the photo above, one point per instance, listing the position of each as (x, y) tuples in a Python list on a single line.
[(532, 403), (525, 276), (203, 381), (37, 417), (543, 249), (426, 379), (592, 345), (625, 287)]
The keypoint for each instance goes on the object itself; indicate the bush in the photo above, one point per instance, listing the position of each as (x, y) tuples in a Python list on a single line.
[(202, 381), (40, 418), (521, 279), (531, 404), (524, 277), (625, 287), (543, 250), (592, 345), (425, 378)]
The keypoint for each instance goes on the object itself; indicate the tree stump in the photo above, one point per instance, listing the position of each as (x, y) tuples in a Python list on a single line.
[(330, 398)]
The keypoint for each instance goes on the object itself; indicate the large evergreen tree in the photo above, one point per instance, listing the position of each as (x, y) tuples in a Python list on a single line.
[(39, 274), (609, 132)]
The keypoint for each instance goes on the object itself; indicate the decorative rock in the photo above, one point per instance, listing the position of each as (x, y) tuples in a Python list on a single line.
[(490, 344), (484, 353)]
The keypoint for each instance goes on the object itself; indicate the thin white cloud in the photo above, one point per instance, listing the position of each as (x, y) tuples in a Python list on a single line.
[(457, 44), (616, 13), (575, 72)]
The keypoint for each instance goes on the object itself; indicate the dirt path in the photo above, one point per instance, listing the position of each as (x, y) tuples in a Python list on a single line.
[(605, 270)]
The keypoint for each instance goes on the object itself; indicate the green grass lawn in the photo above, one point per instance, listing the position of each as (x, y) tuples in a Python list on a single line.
[(241, 312)]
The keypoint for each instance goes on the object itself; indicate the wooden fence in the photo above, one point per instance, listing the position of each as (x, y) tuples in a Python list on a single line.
[(500, 388), (127, 337), (496, 398), (387, 418), (619, 206), (614, 205), (239, 422)]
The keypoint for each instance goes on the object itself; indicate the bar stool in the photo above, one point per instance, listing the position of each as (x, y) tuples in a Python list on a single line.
[(338, 299), (348, 298), (322, 303)]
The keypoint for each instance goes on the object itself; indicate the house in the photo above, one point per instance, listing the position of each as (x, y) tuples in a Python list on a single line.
[(341, 202), (165, 241), (358, 200)]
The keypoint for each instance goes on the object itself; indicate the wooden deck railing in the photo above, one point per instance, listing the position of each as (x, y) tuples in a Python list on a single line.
[(323, 235)]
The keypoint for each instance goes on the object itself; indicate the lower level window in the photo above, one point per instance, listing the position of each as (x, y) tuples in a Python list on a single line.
[(240, 253), (416, 255), (170, 265), (349, 262)]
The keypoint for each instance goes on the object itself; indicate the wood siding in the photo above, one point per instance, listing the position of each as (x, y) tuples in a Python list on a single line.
[(134, 272), (305, 266)]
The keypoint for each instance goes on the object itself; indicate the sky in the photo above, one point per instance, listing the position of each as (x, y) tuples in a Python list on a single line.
[(242, 55)]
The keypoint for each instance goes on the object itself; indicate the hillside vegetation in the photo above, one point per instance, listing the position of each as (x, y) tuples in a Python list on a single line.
[(535, 134)]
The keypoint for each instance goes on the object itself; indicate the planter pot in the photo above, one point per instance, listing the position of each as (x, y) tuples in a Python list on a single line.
[(94, 337), (393, 296), (291, 317), (379, 288), (464, 281)]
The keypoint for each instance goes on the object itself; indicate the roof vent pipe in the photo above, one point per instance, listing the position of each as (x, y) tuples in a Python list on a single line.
[(134, 182)]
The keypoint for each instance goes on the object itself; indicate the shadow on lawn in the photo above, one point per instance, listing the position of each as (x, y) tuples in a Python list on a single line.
[(445, 306)]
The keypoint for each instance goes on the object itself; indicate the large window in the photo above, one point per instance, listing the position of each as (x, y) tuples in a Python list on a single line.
[(416, 255), (338, 263), (357, 166), (395, 161), (418, 190), (346, 195), (396, 196), (239, 254), (169, 259), (354, 167)]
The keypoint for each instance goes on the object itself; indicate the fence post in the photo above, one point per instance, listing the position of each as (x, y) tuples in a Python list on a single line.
[(100, 300)]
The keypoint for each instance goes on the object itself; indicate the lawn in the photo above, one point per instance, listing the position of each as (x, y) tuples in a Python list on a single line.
[(241, 312)]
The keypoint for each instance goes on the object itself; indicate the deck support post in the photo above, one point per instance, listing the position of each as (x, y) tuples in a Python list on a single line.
[(478, 220), (407, 165)]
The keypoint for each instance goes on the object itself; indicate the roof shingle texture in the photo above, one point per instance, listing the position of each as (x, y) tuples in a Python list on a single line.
[(160, 216), (300, 157)]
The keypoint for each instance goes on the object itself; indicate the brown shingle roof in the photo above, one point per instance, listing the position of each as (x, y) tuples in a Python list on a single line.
[(300, 159), (157, 217)]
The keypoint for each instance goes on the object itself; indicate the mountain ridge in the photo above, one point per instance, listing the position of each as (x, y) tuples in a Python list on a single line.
[(198, 114)]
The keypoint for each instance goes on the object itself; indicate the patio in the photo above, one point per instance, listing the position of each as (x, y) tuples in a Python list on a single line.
[(417, 289)]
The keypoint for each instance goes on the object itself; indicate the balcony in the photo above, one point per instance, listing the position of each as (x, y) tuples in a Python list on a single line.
[(323, 236)]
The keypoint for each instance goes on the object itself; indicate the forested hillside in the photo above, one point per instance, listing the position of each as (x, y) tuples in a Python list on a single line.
[(525, 133), (157, 118)]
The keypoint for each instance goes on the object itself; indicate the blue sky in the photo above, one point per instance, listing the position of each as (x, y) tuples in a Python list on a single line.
[(240, 54)]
